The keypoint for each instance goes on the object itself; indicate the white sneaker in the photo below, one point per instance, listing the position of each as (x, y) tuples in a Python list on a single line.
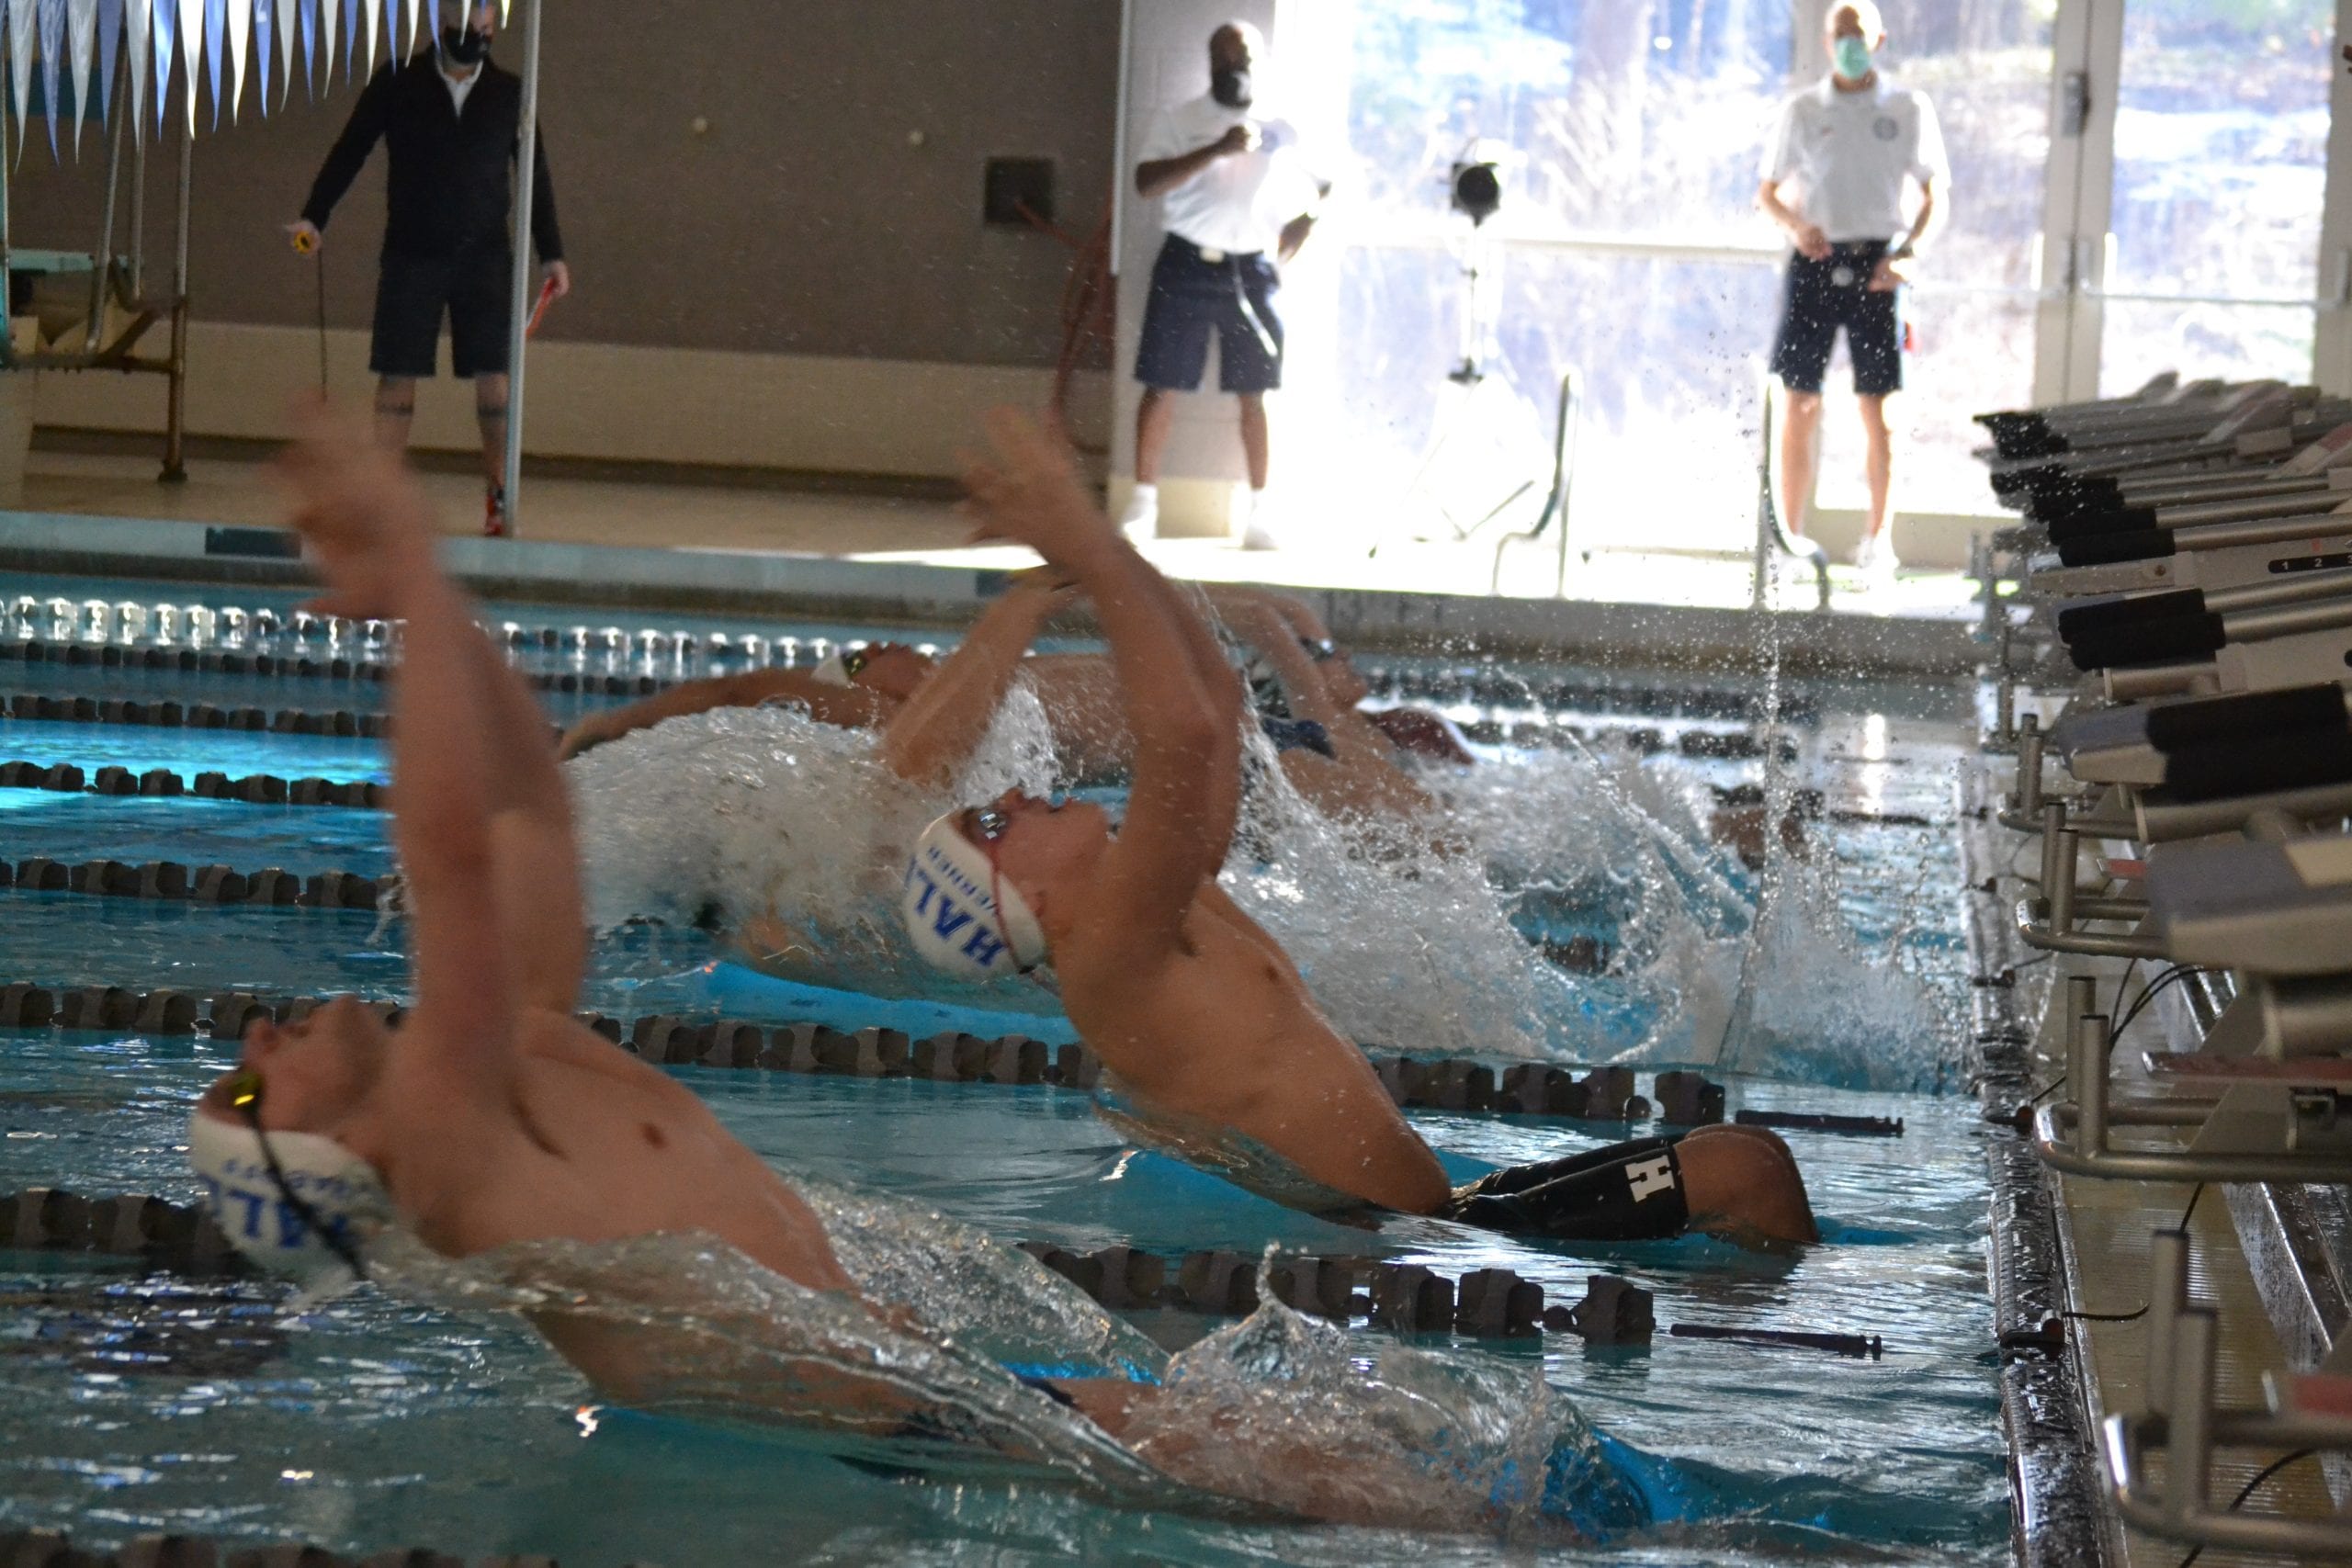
[(1140, 521), (1875, 557), (1258, 534)]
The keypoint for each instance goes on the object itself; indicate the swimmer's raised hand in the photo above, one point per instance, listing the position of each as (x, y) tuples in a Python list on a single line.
[(357, 507), (1028, 492)]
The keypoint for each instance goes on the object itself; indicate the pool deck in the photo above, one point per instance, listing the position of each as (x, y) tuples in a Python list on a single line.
[(874, 550)]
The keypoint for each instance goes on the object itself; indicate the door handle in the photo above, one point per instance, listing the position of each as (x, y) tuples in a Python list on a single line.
[(2074, 104)]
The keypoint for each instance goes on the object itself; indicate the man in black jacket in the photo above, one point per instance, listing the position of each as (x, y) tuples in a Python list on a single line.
[(452, 121)]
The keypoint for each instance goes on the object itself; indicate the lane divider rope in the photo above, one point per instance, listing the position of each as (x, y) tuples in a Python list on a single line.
[(260, 789), (1523, 1089), (1485, 1302), (52, 1548)]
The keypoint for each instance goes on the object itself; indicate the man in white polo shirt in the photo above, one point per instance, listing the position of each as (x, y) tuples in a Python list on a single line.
[(1238, 197), (1834, 177)]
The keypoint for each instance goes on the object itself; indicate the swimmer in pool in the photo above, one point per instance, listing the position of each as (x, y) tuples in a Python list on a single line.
[(1354, 775), (870, 687), (491, 1116), (867, 687), (1737, 822), (1198, 1014)]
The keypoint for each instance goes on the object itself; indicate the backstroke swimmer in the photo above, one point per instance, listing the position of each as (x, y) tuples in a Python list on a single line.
[(491, 1117), (1218, 1053)]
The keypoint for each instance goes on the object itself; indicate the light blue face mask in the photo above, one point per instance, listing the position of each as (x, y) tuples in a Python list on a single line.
[(1852, 57)]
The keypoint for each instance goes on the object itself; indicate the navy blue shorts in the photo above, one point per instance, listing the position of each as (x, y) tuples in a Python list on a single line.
[(1193, 298), (475, 291), (1822, 296)]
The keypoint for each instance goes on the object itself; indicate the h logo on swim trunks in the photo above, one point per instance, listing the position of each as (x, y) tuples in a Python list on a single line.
[(1650, 1177)]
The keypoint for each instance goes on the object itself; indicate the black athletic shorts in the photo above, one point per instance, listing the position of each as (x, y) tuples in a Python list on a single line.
[(1193, 298), (475, 288), (1624, 1193), (1822, 296)]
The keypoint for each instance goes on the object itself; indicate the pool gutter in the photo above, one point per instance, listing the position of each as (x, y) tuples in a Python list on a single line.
[(2058, 1494), (909, 592)]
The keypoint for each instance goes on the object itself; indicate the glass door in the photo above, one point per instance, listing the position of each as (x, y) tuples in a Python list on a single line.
[(2211, 257), (1985, 65)]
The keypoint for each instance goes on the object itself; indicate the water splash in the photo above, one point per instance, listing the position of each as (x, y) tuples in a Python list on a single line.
[(761, 813), (1277, 1413), (752, 815)]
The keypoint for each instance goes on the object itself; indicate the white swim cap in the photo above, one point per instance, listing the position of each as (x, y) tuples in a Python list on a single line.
[(832, 670), (963, 917), (341, 1191)]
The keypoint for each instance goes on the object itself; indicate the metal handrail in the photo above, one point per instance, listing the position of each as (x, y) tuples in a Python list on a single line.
[(2194, 1522), (2055, 1126), (1771, 536), (2096, 944), (1559, 502), (1650, 247)]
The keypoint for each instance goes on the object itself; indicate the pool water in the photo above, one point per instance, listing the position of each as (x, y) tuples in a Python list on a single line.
[(376, 1420)]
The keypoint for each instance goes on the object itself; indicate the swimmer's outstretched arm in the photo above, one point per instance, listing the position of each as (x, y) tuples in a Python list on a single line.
[(848, 707), (1175, 832), (943, 724), (542, 917), (372, 536), (1369, 780)]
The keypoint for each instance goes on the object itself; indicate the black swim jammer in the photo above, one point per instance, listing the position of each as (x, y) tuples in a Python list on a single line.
[(1629, 1191)]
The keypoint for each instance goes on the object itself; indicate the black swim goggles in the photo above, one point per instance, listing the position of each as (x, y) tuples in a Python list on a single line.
[(855, 660), (245, 1095), (1321, 649), (991, 823)]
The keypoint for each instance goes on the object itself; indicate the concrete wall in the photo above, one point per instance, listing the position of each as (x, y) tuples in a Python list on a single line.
[(827, 211)]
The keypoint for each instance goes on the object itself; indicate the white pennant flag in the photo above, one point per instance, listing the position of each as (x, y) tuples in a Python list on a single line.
[(24, 16), (82, 30), (288, 18), (52, 56), (330, 11), (191, 14), (138, 33), (241, 29)]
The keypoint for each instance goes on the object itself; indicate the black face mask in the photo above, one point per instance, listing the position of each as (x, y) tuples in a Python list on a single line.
[(1229, 86), (464, 46)]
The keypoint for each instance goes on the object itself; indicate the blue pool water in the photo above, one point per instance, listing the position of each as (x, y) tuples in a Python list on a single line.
[(376, 1421)]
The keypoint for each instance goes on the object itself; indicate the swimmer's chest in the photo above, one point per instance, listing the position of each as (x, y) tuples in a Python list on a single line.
[(1205, 1027)]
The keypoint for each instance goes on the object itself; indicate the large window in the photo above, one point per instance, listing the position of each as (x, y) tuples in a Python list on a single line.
[(2221, 170), (1631, 251)]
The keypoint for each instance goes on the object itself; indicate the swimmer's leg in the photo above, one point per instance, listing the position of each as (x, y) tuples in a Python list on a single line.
[(1744, 1182)]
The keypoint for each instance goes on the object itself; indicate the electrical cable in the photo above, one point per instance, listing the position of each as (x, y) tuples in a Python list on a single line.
[(2172, 975), (2248, 1490), (2142, 1311)]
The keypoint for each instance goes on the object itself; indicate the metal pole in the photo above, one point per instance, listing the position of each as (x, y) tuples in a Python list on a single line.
[(7, 257), (1762, 592), (176, 414), (103, 273), (527, 151), (139, 213)]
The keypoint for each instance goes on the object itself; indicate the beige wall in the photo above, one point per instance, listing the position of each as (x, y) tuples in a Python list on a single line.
[(830, 209)]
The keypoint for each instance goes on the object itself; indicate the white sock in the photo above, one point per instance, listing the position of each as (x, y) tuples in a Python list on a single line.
[(1145, 495)]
